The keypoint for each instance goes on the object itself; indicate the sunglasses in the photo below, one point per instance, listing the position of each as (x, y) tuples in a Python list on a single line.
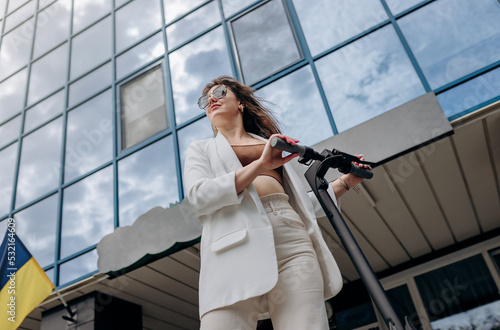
[(218, 93)]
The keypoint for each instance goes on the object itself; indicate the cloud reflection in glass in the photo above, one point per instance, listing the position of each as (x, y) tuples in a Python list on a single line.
[(296, 101), (87, 213), (194, 65), (367, 78), (147, 179), (451, 39)]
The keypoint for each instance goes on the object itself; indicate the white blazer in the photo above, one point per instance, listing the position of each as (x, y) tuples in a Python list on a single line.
[(238, 257)]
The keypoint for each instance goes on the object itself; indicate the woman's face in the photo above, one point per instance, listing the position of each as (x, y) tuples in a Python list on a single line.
[(223, 109)]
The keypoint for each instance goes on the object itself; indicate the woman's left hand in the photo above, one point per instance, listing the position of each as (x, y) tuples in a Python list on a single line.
[(353, 179), (272, 158)]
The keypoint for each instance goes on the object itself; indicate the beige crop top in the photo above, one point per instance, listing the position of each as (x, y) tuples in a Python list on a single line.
[(247, 153)]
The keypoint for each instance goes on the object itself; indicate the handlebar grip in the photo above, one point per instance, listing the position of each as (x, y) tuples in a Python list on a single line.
[(281, 144), (361, 172)]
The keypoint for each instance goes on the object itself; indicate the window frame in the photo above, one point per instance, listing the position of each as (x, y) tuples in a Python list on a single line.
[(119, 103), (235, 47), (407, 276)]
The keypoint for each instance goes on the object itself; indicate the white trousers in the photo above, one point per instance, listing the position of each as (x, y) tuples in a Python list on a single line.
[(297, 300)]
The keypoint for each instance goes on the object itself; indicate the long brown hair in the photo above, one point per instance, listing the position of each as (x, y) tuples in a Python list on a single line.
[(257, 118)]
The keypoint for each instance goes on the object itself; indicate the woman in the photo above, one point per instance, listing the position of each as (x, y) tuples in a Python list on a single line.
[(262, 252)]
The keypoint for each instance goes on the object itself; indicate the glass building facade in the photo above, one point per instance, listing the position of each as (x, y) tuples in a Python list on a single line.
[(98, 97)]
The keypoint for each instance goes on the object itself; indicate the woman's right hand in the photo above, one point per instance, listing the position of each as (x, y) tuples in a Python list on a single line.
[(272, 158)]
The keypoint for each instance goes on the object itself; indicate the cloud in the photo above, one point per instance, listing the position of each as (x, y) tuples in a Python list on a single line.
[(175, 8), (39, 236), (293, 96), (194, 65), (52, 65), (264, 41), (40, 157), (367, 78), (136, 20), (327, 23), (87, 212), (15, 50), (91, 47), (8, 157), (12, 94), (52, 26), (148, 176), (152, 233), (192, 24)]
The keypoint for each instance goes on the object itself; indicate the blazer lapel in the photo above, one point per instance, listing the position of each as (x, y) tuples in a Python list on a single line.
[(226, 154)]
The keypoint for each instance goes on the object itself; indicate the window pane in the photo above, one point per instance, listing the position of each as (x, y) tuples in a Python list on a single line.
[(8, 159), (192, 24), (327, 23), (470, 93), (194, 65), (136, 20), (44, 111), (91, 48), (140, 55), (484, 317), (43, 3), (52, 27), (147, 176), (36, 226), (78, 267), (41, 153), (403, 304), (10, 131), (89, 136), (3, 225), (50, 274), (176, 8), (90, 84), (201, 129), (143, 108), (368, 77), (20, 15), (87, 214), (86, 12), (2, 7), (48, 73), (118, 3), (230, 6), (451, 39), (12, 93), (289, 97), (457, 288), (398, 6), (15, 50), (14, 4), (361, 316), (264, 41)]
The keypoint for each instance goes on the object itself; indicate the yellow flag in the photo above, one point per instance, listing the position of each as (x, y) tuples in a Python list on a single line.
[(24, 284)]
